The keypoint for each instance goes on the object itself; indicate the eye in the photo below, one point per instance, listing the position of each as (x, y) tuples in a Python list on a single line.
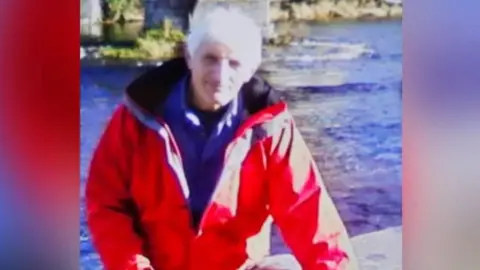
[(234, 63), (210, 59)]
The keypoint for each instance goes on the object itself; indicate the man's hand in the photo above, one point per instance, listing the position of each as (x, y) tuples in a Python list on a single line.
[(277, 262), (140, 263)]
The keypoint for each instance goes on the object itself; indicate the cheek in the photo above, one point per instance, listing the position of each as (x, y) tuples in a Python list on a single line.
[(198, 75), (242, 78), (244, 75)]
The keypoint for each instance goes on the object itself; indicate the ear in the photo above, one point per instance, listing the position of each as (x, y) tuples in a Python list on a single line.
[(179, 50), (186, 55), (249, 73)]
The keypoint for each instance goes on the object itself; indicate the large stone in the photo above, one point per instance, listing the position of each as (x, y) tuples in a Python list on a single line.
[(91, 18), (323, 10), (277, 13), (93, 30), (396, 11), (303, 11), (345, 9), (90, 11), (376, 12), (380, 250)]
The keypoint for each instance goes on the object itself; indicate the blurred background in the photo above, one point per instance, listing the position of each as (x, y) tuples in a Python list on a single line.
[(338, 63)]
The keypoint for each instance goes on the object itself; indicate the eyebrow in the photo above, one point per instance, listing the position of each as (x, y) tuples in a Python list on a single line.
[(208, 54)]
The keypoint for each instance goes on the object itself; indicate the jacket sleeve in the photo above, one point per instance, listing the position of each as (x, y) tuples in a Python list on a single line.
[(301, 207), (108, 204)]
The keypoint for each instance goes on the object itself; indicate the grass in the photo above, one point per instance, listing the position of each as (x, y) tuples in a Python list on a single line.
[(163, 43), (155, 44)]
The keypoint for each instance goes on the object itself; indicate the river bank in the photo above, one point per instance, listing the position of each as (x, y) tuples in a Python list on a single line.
[(327, 11), (283, 10), (296, 51), (143, 48), (300, 44)]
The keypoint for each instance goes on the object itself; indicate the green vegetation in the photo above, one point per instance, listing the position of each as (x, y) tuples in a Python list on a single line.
[(123, 10), (155, 44), (164, 42)]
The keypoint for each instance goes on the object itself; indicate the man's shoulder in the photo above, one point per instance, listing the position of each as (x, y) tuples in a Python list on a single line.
[(259, 94), (122, 116), (259, 84), (154, 86), (277, 124)]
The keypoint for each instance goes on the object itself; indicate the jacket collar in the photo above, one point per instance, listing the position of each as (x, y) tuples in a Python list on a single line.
[(152, 88)]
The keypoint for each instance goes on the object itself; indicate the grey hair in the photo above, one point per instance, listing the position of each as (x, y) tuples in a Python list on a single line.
[(228, 26)]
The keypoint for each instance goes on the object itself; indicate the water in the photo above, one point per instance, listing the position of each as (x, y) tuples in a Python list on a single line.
[(347, 105)]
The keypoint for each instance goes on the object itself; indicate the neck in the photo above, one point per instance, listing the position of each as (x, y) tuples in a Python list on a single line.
[(199, 105)]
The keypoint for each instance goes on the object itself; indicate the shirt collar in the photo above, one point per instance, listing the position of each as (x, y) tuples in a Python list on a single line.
[(229, 118)]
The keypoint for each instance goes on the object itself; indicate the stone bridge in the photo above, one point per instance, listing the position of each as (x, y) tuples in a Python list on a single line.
[(178, 11)]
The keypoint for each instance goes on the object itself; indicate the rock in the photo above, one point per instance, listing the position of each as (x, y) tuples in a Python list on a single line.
[(372, 12), (370, 4), (302, 11), (91, 11), (277, 13), (396, 11), (323, 10), (381, 250), (137, 14), (344, 9), (90, 18)]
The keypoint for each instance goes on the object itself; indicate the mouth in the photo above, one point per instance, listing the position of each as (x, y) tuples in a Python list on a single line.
[(219, 88)]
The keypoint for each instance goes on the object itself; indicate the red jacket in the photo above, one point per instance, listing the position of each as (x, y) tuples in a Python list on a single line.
[(136, 191)]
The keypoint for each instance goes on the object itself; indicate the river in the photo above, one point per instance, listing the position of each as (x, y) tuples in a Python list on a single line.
[(343, 86)]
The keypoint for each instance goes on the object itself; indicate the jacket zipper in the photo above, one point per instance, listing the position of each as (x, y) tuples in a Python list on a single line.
[(243, 129)]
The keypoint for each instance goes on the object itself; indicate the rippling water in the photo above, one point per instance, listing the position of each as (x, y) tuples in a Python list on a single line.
[(345, 94)]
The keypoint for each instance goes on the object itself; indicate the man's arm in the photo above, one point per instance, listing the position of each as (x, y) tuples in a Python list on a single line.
[(108, 203), (302, 208)]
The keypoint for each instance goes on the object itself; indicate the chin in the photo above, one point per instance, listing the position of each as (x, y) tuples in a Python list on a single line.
[(219, 103), (222, 99)]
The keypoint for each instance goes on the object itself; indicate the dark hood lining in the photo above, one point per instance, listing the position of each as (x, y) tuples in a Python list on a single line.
[(153, 87)]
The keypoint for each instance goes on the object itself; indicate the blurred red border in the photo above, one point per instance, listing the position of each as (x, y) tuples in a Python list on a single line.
[(40, 109)]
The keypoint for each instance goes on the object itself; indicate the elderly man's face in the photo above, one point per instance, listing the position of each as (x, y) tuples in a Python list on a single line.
[(218, 72)]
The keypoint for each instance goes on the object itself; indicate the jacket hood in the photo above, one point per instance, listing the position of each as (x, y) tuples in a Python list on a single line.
[(153, 87)]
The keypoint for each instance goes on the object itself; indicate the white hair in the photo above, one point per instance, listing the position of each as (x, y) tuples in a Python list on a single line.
[(229, 26)]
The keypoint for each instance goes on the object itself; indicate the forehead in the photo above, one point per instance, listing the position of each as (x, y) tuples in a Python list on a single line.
[(229, 49)]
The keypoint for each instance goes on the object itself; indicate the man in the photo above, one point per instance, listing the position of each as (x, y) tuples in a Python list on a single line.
[(200, 158)]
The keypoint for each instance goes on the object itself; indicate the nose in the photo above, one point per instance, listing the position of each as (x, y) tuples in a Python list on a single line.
[(221, 72)]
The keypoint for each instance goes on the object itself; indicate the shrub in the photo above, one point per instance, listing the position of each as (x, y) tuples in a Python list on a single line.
[(155, 44)]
